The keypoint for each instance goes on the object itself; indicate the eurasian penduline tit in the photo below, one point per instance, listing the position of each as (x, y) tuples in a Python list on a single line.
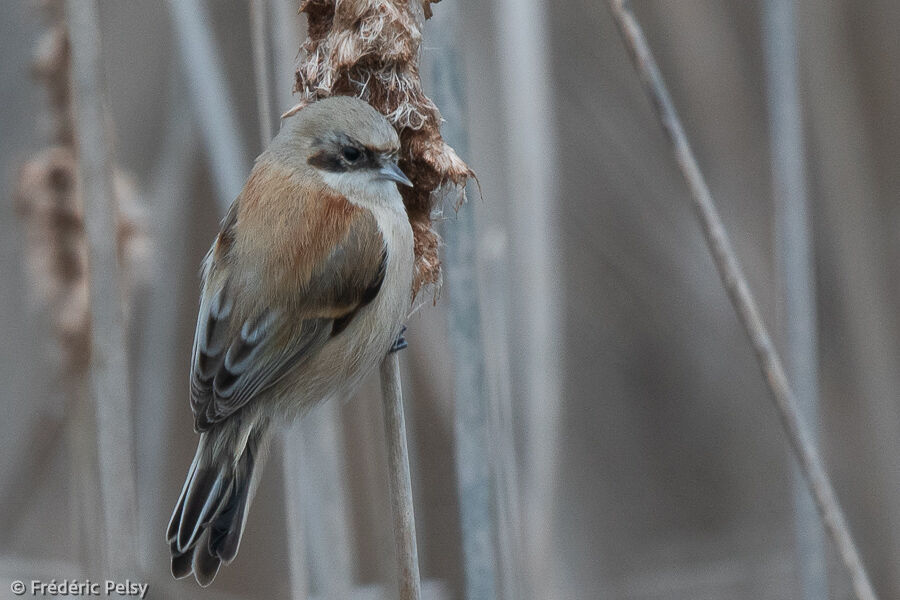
[(304, 292)]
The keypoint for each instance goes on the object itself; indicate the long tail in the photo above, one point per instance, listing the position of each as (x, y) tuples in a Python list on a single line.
[(208, 521)]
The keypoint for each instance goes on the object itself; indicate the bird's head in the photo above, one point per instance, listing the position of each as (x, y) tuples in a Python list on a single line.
[(348, 143)]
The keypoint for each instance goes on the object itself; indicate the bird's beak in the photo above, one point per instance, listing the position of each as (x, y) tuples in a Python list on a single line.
[(392, 172)]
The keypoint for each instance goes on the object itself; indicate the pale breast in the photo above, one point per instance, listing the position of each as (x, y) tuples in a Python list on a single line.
[(379, 323), (346, 359)]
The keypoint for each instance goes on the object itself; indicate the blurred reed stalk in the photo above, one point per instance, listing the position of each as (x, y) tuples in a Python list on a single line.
[(292, 441), (109, 365), (260, 42), (156, 365), (522, 29), (208, 89), (851, 212), (795, 266), (486, 509), (47, 202), (57, 255), (475, 464), (323, 500), (744, 304), (494, 299)]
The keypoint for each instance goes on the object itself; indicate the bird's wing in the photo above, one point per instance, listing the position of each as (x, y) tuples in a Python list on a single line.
[(243, 346)]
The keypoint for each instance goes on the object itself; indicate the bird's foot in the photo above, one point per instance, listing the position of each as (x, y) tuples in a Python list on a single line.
[(400, 343)]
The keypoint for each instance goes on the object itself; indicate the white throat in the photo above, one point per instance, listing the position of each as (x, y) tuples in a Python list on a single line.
[(364, 188)]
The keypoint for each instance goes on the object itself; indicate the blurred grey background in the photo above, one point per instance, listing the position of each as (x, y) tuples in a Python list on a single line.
[(670, 472)]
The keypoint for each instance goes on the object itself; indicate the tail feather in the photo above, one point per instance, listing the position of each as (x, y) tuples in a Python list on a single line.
[(205, 564), (181, 562), (208, 521), (175, 520), (227, 527), (203, 499)]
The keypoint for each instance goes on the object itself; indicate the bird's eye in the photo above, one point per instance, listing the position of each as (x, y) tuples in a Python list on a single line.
[(351, 154)]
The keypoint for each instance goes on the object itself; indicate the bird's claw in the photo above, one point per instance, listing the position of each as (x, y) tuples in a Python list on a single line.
[(400, 343)]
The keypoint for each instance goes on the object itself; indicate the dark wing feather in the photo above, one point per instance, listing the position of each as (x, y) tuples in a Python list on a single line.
[(236, 357)]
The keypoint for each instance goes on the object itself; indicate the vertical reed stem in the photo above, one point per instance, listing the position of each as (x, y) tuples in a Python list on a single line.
[(525, 69), (292, 443), (475, 431), (796, 270), (399, 479), (261, 69), (109, 364), (208, 89)]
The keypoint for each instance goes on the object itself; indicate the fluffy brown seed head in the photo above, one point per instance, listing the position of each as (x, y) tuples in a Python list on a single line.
[(370, 50)]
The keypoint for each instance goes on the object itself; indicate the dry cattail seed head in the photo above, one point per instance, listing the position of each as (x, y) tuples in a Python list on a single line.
[(370, 50)]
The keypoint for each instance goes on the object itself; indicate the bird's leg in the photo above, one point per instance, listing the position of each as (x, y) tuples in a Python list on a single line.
[(400, 343)]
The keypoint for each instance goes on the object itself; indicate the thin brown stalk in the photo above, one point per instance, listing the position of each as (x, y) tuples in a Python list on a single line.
[(400, 482), (744, 304)]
